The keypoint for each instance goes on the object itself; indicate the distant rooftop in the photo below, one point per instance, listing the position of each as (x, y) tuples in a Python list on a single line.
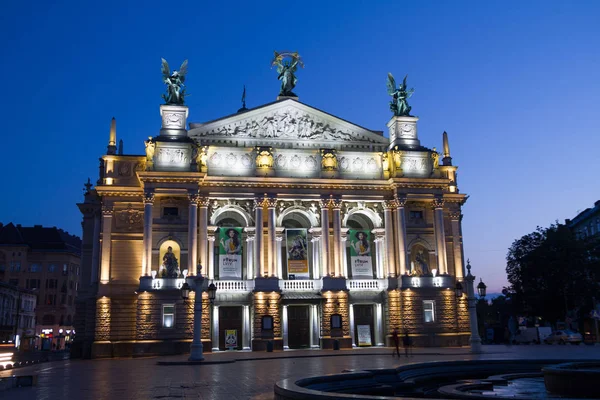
[(39, 238), (584, 215)]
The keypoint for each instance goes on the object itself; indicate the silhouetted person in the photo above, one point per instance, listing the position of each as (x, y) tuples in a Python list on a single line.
[(396, 339), (406, 343)]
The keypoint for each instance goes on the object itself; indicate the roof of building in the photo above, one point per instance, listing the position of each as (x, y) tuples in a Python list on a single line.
[(584, 215), (39, 238)]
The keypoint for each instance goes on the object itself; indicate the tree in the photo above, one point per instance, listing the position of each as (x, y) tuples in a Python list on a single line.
[(553, 273)]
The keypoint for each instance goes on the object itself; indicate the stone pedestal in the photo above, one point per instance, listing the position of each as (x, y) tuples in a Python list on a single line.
[(173, 146), (403, 132)]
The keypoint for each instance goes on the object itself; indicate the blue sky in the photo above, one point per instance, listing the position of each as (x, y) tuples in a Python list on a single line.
[(515, 84)]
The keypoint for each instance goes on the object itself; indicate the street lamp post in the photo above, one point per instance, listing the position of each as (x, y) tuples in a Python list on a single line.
[(475, 339), (196, 347)]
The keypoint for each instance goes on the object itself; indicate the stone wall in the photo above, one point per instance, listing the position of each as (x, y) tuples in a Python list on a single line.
[(266, 304), (335, 303)]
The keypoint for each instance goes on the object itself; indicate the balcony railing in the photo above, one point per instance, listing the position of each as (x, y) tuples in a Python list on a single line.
[(234, 286), (301, 285), (367, 284)]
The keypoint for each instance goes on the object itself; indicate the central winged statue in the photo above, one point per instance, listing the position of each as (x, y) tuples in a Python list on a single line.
[(286, 70), (399, 104), (174, 81)]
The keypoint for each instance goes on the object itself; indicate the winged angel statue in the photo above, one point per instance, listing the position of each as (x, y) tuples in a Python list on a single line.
[(399, 104), (286, 70), (174, 81)]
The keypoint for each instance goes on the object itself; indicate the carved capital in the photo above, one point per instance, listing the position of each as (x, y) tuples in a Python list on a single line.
[(400, 201), (336, 204), (259, 202), (148, 197), (324, 204), (107, 210), (389, 204), (194, 196), (271, 202), (203, 201), (437, 203), (455, 215)]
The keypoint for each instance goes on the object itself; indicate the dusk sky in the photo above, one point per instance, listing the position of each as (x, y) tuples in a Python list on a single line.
[(515, 84)]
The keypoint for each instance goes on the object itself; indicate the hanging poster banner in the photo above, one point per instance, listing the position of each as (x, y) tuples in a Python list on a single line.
[(297, 253), (364, 335), (231, 339), (360, 253), (230, 253)]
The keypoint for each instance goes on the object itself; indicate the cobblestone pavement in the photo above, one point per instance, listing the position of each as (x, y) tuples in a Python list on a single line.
[(251, 377)]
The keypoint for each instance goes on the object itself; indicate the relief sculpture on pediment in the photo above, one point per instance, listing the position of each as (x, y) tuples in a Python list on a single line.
[(286, 124)]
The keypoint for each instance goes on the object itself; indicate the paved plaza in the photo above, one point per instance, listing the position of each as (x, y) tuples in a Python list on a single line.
[(242, 375)]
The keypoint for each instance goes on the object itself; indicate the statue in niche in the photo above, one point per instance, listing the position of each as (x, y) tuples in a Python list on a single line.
[(420, 266), (286, 70), (399, 105), (174, 81), (150, 148), (170, 264), (435, 156)]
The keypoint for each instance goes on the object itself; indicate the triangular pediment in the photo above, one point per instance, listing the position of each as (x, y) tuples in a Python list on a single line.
[(287, 122)]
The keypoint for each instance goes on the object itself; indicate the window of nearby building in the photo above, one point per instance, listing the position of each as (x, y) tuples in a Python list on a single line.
[(32, 284), (429, 310), (50, 300), (416, 215), (65, 270), (63, 299), (70, 300), (168, 315), (2, 267), (34, 268), (15, 266), (170, 211), (51, 267), (13, 282), (51, 283)]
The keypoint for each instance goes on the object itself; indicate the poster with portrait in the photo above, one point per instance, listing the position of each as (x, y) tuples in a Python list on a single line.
[(230, 253), (364, 335), (360, 253), (231, 339), (297, 253)]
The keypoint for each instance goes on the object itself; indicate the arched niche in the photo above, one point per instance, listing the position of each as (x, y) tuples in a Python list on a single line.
[(364, 217), (297, 217), (164, 247), (231, 215), (421, 260)]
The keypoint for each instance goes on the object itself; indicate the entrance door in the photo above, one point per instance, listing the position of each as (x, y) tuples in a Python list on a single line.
[(230, 318), (363, 315), (298, 327)]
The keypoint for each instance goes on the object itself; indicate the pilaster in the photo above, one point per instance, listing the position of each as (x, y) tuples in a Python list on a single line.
[(324, 204), (440, 240), (147, 238), (107, 215), (389, 247)]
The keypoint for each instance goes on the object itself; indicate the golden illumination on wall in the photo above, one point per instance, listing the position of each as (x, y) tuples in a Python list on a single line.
[(264, 157)]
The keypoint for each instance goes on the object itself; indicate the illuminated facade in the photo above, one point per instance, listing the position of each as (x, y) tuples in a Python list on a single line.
[(316, 231)]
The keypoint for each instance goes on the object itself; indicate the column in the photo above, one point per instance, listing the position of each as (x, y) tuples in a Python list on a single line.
[(351, 322), (259, 253), (379, 252), (193, 198), (279, 240), (211, 252), (147, 252), (250, 235), (378, 325), (314, 326), (107, 214), (336, 204), (401, 229), (215, 328), (284, 322), (246, 335), (316, 251), (475, 339), (440, 239), (388, 206), (95, 248), (272, 236), (203, 232), (325, 236), (343, 255), (455, 217)]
